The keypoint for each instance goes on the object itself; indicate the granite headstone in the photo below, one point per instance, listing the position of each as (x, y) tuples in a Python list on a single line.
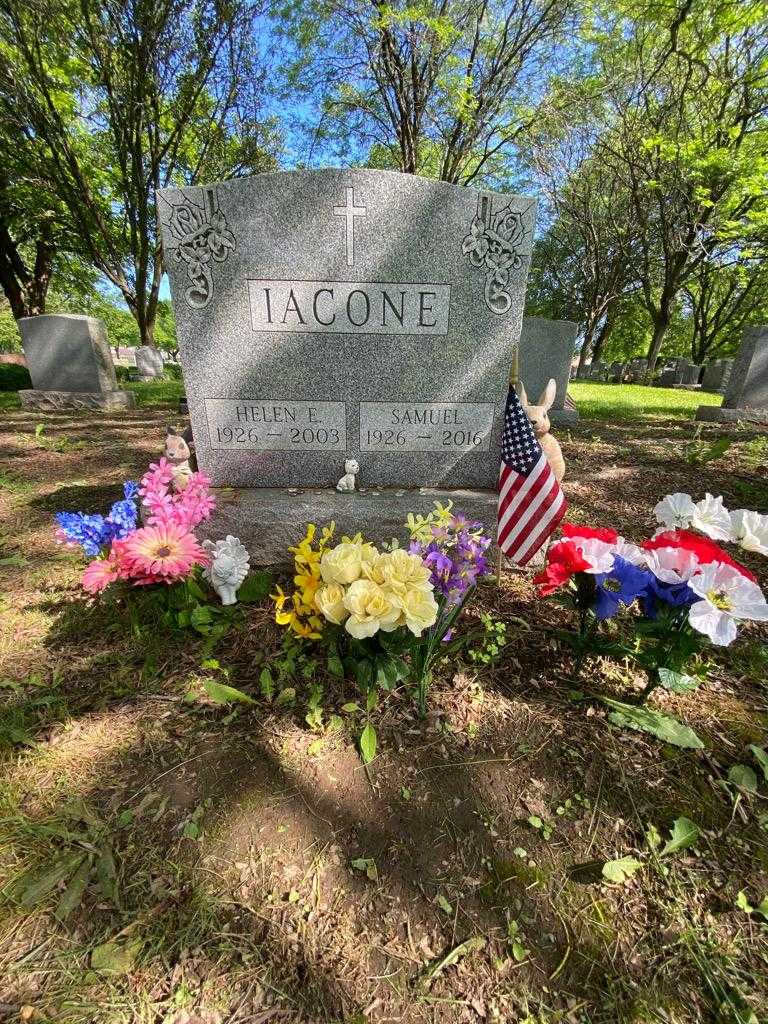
[(746, 396), (325, 315), (716, 375), (70, 364), (546, 351), (149, 362)]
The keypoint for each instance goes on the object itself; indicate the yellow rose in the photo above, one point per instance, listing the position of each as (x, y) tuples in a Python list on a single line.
[(419, 609), (330, 601), (342, 564), (370, 609), (399, 566)]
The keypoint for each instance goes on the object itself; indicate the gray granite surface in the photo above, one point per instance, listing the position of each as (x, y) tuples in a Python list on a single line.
[(546, 351), (268, 520), (149, 362), (381, 293), (716, 375), (52, 400), (746, 394), (66, 352)]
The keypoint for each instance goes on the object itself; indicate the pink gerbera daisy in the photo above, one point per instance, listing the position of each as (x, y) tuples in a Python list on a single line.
[(99, 574), (165, 550)]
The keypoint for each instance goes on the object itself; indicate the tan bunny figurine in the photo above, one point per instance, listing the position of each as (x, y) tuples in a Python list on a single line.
[(538, 415)]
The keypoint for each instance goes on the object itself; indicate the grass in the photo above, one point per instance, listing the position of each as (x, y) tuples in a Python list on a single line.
[(635, 402), (238, 834), (159, 392)]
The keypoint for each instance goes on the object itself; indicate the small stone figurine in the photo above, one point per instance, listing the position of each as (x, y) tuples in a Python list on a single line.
[(179, 452), (347, 482), (229, 567)]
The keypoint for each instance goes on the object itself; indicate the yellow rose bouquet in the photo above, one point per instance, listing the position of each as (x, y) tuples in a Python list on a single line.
[(384, 615)]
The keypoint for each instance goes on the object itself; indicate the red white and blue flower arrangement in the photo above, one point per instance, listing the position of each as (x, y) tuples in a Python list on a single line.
[(683, 589)]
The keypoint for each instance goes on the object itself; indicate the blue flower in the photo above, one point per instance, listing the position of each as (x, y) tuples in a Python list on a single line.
[(122, 518), (131, 489), (675, 594), (622, 585), (92, 533)]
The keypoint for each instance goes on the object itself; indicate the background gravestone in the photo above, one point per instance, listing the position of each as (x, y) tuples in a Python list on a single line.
[(70, 364), (149, 363), (325, 315), (546, 351), (717, 375), (746, 396)]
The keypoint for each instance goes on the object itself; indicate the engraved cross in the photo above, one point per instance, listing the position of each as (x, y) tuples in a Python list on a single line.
[(350, 211)]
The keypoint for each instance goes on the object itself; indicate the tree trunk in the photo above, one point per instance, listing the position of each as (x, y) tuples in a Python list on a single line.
[(603, 335), (660, 325), (586, 348)]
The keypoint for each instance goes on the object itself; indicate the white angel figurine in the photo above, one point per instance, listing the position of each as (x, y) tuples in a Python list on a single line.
[(229, 567)]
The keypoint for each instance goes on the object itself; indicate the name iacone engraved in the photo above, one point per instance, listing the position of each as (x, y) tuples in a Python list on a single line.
[(349, 307)]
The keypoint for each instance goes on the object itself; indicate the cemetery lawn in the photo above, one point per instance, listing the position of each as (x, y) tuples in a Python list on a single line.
[(611, 402), (248, 869)]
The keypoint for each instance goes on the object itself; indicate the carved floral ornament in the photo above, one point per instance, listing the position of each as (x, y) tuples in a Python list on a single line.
[(495, 242), (203, 236)]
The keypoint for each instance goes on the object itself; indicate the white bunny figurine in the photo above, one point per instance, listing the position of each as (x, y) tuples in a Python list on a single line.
[(347, 482), (537, 414), (229, 567)]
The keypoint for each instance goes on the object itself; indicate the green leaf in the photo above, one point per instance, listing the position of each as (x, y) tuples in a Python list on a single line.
[(744, 777), (677, 682), (664, 727), (351, 708), (72, 896), (266, 684), (684, 833), (106, 872), (620, 870), (444, 904), (191, 830), (368, 743), (653, 837), (368, 865), (371, 700), (334, 664), (115, 957), (35, 887), (761, 757), (255, 587), (221, 693), (535, 821), (452, 957), (285, 697)]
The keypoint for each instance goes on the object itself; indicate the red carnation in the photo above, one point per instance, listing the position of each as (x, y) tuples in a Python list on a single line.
[(590, 533), (705, 550), (563, 560)]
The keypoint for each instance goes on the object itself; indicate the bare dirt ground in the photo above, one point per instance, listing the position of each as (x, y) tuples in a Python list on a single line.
[(262, 874)]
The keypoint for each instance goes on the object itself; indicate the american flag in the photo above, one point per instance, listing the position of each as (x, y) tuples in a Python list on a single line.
[(531, 502)]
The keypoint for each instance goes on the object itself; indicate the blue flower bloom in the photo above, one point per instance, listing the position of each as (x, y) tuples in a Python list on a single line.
[(622, 585), (91, 532), (122, 518), (675, 594)]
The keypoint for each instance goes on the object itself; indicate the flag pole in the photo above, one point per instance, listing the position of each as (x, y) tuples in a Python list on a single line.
[(514, 377)]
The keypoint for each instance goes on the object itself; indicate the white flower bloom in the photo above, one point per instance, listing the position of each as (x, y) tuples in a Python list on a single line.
[(750, 530), (726, 596), (675, 511), (629, 552), (672, 565), (598, 553), (712, 518)]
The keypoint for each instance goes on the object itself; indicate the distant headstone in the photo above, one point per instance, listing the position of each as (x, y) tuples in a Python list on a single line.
[(717, 375), (546, 351), (327, 315), (690, 374), (70, 364), (746, 396), (149, 362)]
